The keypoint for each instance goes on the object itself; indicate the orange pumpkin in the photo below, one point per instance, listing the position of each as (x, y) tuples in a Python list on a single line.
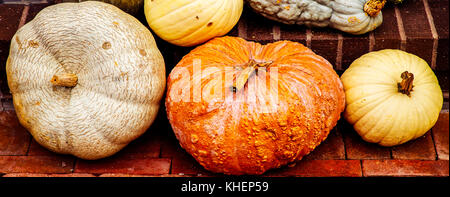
[(239, 107)]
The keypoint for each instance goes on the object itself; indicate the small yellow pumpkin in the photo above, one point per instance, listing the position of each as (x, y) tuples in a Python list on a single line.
[(192, 22), (392, 97)]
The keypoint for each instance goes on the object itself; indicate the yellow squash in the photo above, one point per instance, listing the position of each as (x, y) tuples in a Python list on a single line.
[(192, 22), (391, 97)]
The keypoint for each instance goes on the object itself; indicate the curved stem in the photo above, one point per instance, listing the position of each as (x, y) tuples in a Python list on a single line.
[(245, 74), (66, 80), (406, 85), (373, 7)]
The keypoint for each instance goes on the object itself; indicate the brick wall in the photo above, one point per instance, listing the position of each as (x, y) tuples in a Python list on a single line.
[(418, 26)]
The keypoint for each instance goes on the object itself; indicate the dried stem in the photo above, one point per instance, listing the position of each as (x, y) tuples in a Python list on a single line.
[(406, 85)]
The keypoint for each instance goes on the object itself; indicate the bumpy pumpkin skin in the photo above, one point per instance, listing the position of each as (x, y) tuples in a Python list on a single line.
[(233, 136), (192, 22), (129, 6), (345, 15), (121, 78), (375, 107)]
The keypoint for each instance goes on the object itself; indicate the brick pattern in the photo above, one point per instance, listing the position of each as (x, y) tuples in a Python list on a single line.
[(154, 166), (157, 153), (332, 148), (404, 168), (412, 26), (14, 139), (420, 149), (419, 26), (440, 136), (319, 168), (36, 164)]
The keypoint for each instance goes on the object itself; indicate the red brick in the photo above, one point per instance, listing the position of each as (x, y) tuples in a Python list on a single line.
[(147, 145), (4, 89), (124, 166), (444, 81), (34, 10), (9, 20), (357, 148), (6, 97), (387, 35), (14, 139), (123, 175), (185, 164), (419, 39), (242, 27), (295, 33), (324, 41), (421, 148), (259, 28), (440, 135), (440, 12), (319, 168), (234, 31), (445, 105), (4, 52), (48, 175), (182, 162), (35, 164), (405, 168), (37, 150), (140, 175), (331, 148), (442, 55), (353, 47), (170, 146), (7, 104)]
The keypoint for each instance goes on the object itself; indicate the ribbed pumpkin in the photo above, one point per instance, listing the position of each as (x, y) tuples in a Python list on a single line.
[(240, 107), (86, 78), (192, 22), (392, 97)]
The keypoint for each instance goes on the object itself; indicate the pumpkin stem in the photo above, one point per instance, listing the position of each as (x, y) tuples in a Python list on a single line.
[(406, 85), (66, 80), (245, 74), (373, 7)]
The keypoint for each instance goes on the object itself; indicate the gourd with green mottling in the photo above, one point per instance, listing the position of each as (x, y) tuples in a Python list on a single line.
[(351, 16)]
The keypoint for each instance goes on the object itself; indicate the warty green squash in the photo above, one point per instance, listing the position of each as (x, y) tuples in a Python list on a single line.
[(351, 16)]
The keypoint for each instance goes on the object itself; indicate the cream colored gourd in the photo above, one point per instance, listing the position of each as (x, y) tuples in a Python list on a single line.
[(191, 22), (86, 78), (392, 97), (351, 16)]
